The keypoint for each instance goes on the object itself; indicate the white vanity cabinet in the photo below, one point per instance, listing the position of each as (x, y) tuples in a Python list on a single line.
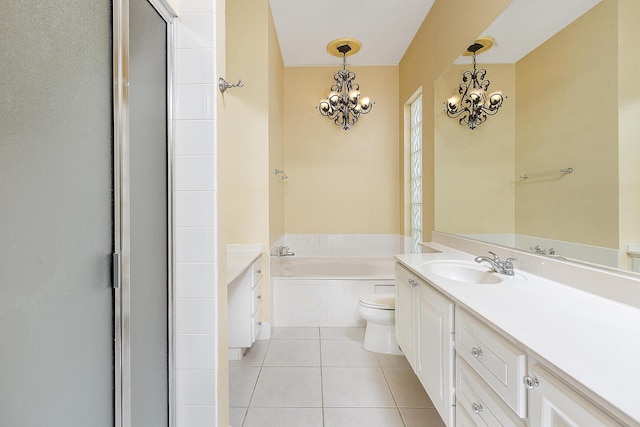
[(477, 404), (500, 364), (405, 283), (511, 366), (424, 331), (244, 306), (554, 404)]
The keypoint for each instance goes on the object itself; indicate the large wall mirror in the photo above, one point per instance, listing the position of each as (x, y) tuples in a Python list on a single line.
[(570, 73)]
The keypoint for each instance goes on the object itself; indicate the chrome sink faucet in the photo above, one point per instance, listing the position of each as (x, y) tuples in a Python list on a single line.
[(501, 267), (284, 251)]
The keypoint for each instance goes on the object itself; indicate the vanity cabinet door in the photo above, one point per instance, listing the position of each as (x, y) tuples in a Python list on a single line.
[(435, 348), (553, 404), (244, 311), (404, 313)]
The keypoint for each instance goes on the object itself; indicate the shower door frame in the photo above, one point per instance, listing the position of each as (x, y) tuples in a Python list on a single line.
[(122, 208)]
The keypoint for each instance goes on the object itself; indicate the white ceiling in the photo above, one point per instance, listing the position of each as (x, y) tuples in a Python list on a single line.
[(525, 25), (386, 28)]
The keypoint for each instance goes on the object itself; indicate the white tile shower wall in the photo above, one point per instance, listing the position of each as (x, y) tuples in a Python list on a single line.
[(195, 215), (345, 245)]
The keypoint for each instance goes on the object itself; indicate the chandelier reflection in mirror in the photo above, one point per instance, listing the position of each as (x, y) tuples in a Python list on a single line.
[(472, 104), (344, 105)]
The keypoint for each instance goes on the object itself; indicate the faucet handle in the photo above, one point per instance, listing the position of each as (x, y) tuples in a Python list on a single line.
[(496, 258), (508, 266)]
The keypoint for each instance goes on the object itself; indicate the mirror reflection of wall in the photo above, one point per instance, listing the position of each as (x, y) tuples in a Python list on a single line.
[(570, 103)]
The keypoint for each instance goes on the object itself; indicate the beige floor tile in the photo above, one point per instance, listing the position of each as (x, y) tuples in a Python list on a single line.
[(236, 416), (292, 333), (355, 387), (284, 417), (287, 387), (342, 334), (253, 356), (421, 417), (242, 382), (393, 360), (362, 417), (406, 388), (293, 353), (346, 353)]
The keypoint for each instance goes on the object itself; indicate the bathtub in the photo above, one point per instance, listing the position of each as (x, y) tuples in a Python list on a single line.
[(326, 291)]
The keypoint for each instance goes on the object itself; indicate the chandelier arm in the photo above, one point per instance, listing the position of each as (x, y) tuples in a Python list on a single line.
[(344, 105), (457, 113), (489, 112)]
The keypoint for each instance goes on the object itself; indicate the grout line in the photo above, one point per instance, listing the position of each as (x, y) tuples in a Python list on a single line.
[(322, 366), (321, 376), (256, 384)]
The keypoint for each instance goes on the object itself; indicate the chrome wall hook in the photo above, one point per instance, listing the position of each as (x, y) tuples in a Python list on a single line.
[(280, 174), (224, 85)]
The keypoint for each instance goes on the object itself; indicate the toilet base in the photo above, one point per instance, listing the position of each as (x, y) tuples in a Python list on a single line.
[(381, 339)]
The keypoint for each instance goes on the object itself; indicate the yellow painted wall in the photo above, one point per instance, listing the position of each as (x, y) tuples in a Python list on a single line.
[(448, 29), (341, 181), (475, 168), (567, 117), (247, 120), (252, 122), (276, 136), (629, 124)]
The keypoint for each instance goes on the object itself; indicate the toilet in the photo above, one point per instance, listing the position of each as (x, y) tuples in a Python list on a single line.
[(379, 311)]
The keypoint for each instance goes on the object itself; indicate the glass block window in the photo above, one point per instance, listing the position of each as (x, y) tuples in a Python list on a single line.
[(416, 174)]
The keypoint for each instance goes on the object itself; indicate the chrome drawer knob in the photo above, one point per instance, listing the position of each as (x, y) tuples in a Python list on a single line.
[(530, 382), (259, 271), (413, 283), (259, 297), (476, 352), (476, 408)]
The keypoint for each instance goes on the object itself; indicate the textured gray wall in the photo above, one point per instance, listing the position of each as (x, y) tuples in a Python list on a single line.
[(148, 100), (56, 321)]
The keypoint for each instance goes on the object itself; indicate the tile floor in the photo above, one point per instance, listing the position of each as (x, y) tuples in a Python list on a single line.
[(322, 377)]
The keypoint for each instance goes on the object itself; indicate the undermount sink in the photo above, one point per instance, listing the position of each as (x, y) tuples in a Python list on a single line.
[(463, 271)]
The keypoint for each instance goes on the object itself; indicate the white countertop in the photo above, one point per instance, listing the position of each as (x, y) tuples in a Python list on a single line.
[(238, 261), (594, 340)]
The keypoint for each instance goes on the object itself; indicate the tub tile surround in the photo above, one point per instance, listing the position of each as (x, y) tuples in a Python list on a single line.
[(195, 215), (344, 245), (340, 246), (580, 321), (330, 247)]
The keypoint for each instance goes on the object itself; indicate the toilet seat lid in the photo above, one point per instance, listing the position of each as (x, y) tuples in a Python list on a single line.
[(380, 301)]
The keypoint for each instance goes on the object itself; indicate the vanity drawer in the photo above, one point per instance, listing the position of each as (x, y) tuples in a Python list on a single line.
[(256, 298), (499, 363), (482, 406), (464, 418), (257, 272), (256, 325)]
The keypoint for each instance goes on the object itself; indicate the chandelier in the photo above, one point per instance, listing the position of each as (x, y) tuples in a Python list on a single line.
[(472, 104), (344, 104)]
